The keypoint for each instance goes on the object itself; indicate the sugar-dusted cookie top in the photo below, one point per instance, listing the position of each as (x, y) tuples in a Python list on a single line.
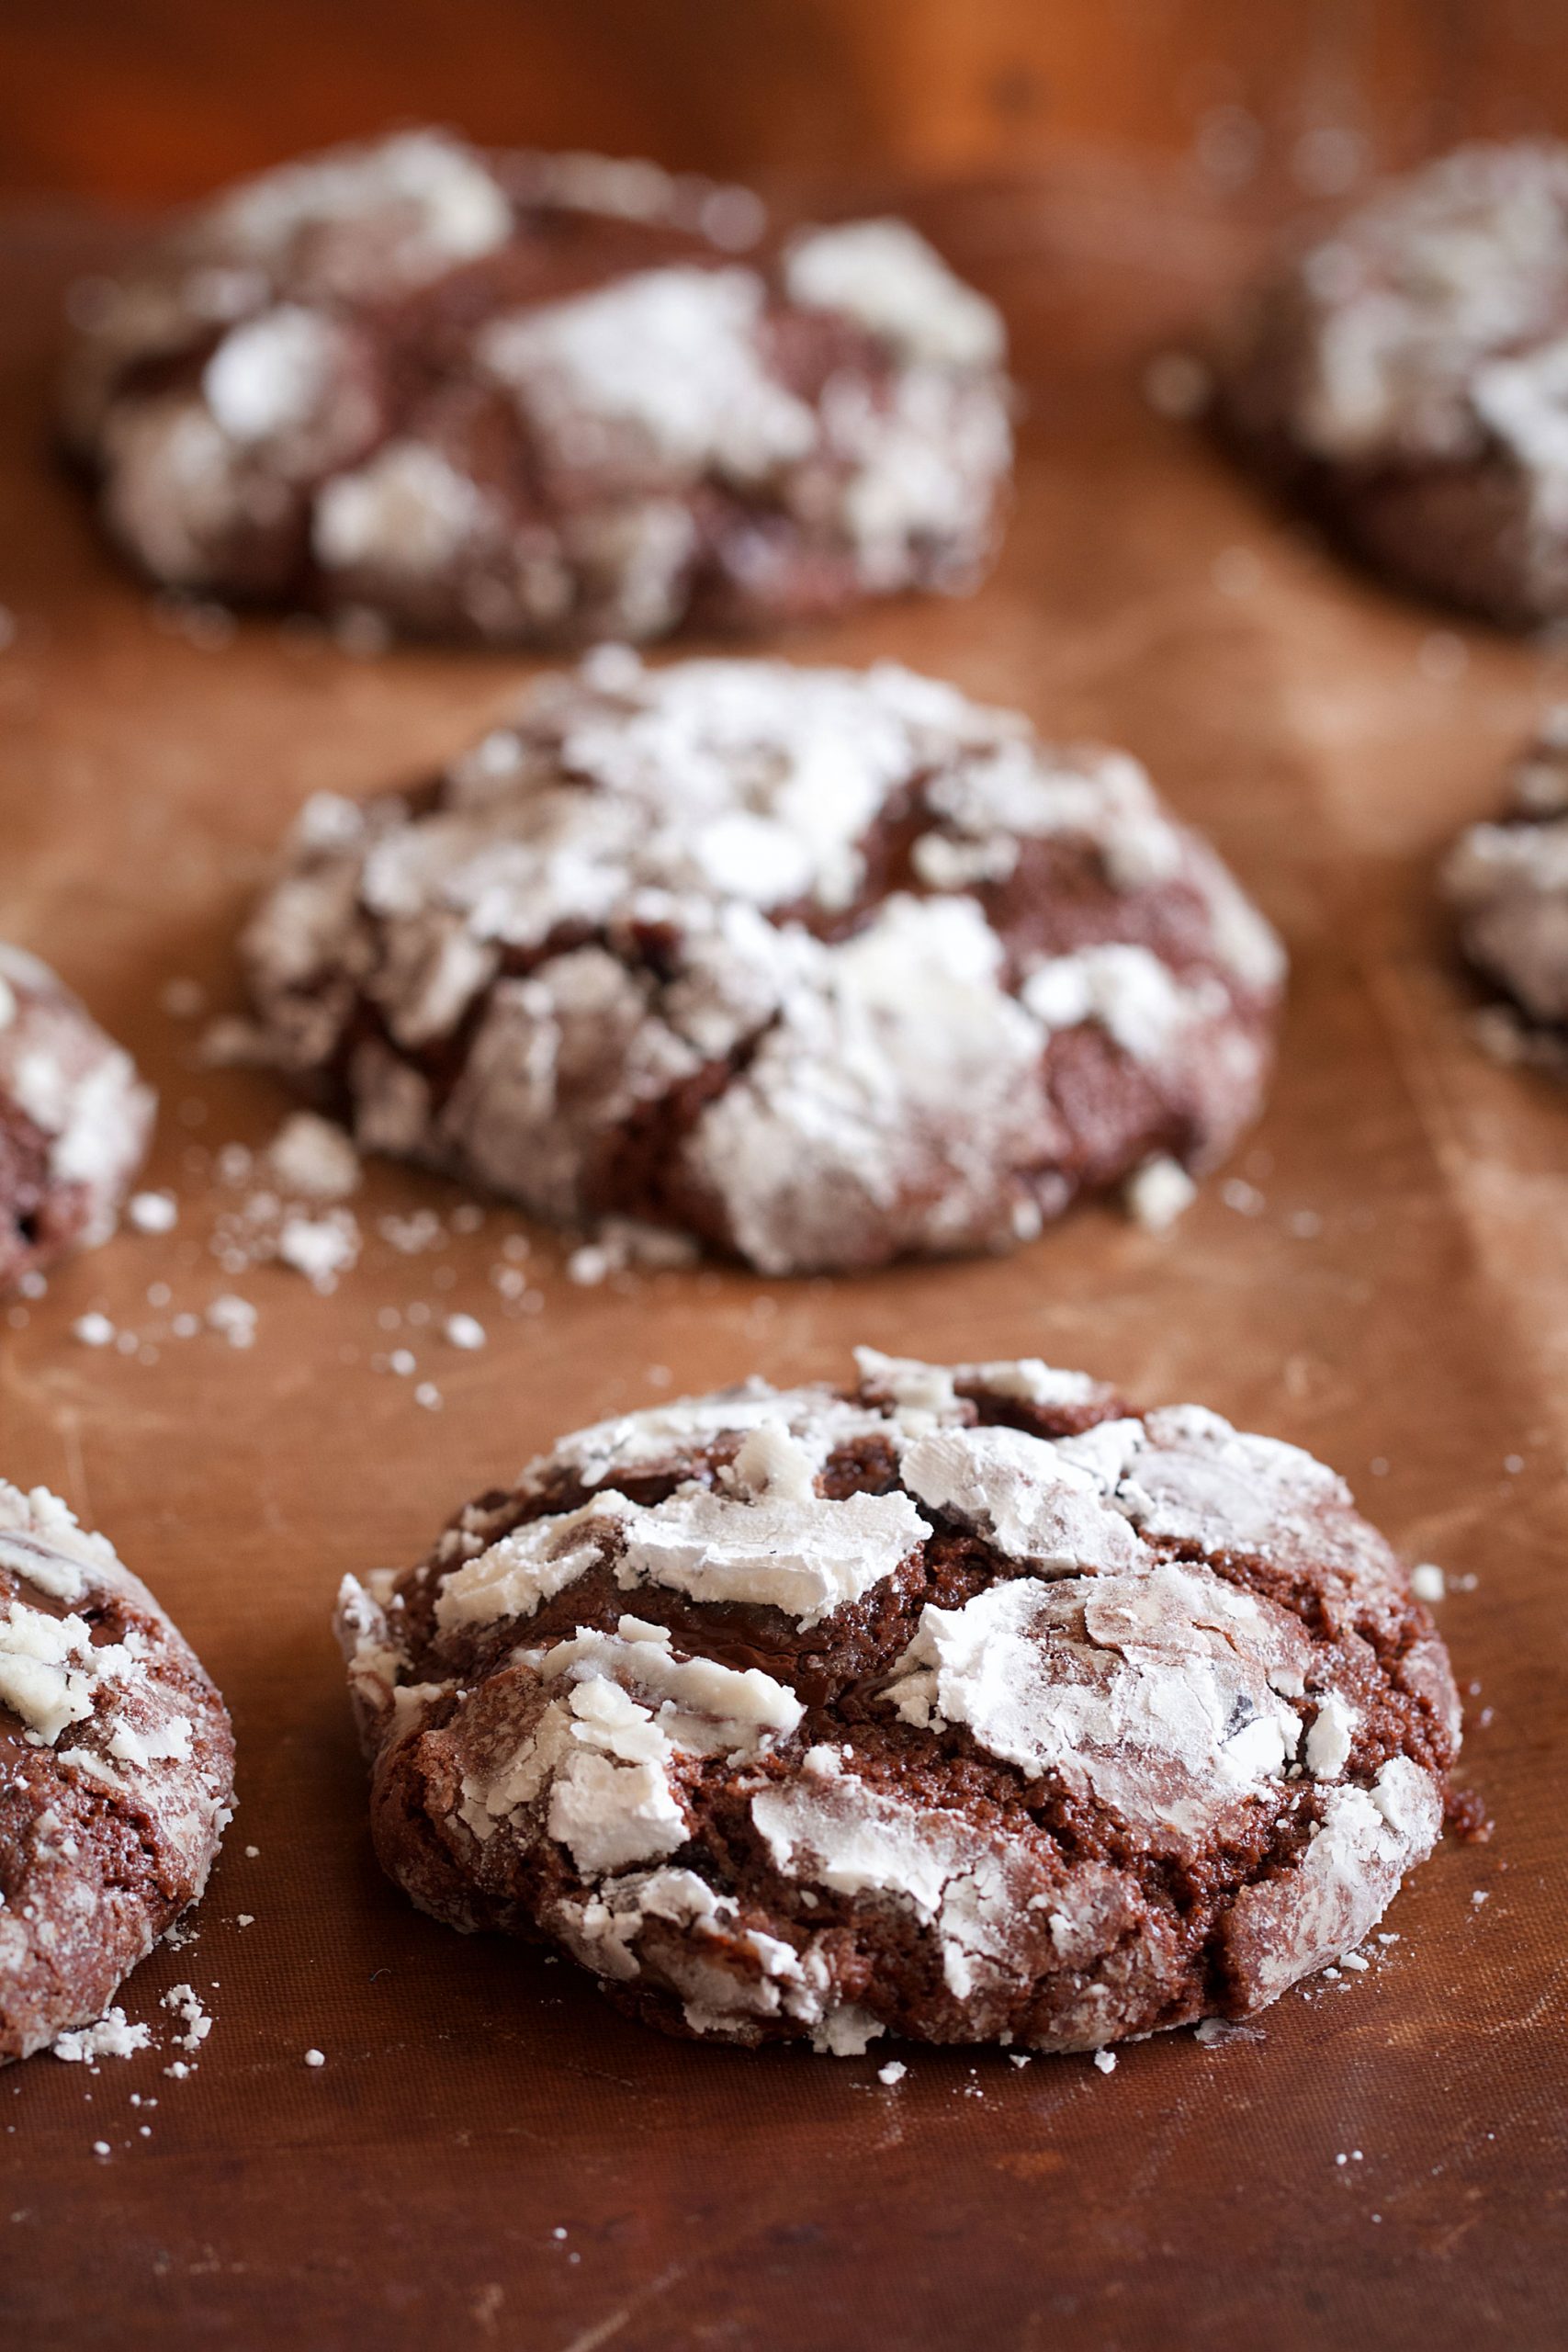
[(117, 1767), (525, 397), (75, 1120), (824, 967), (964, 1704), (1407, 368)]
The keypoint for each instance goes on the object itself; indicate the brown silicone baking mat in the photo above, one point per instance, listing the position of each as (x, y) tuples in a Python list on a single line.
[(490, 2156)]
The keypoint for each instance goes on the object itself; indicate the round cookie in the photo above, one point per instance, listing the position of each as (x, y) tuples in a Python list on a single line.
[(963, 1704), (526, 398), (74, 1121), (1507, 884), (117, 1772), (1407, 370), (821, 967)]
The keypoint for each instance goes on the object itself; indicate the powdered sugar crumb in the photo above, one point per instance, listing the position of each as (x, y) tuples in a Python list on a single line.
[(111, 2037)]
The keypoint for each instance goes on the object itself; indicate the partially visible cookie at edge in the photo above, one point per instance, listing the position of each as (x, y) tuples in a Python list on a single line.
[(824, 967), (965, 1704), (74, 1121), (1403, 371), (116, 1772), (530, 398), (1506, 883)]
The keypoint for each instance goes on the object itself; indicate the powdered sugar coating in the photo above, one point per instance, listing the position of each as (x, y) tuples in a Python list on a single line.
[(525, 397), (116, 1772), (1412, 365), (75, 1120), (673, 944), (1507, 884), (1130, 1719)]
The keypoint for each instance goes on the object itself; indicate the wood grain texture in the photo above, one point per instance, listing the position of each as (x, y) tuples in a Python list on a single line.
[(1389, 1287), (162, 99)]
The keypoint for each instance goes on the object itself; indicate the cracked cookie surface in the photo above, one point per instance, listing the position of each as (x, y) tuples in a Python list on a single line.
[(963, 1704), (824, 967), (1405, 371), (116, 1772), (529, 397), (74, 1121)]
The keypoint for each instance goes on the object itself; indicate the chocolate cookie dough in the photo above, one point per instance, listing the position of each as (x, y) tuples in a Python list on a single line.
[(75, 1120), (525, 398), (963, 1704), (1407, 373), (822, 966), (116, 1772)]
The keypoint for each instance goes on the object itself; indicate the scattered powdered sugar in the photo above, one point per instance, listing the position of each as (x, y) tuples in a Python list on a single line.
[(235, 1318), (186, 2005), (313, 1160), (152, 1211), (111, 2037), (1159, 1193), (321, 1247)]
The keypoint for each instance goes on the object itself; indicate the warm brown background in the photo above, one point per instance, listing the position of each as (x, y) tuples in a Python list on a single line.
[(161, 98), (1390, 1288)]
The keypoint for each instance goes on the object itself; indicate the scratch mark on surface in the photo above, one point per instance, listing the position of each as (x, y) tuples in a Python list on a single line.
[(603, 2330), (1547, 1999), (75, 1463)]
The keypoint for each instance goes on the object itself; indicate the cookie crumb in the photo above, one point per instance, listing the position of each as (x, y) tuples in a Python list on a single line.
[(153, 1212), (111, 2037), (1159, 1193), (314, 1158), (235, 1318), (319, 1247), (186, 2003)]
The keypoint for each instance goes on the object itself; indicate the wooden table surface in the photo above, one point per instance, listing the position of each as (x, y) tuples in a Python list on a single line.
[(490, 2156)]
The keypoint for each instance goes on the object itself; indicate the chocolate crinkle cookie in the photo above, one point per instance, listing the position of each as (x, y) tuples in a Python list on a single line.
[(1408, 372), (74, 1121), (116, 1772), (1507, 885), (523, 398), (963, 1704), (820, 967)]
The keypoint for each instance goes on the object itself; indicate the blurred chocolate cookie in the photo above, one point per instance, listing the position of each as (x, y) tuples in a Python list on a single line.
[(526, 398), (117, 1772), (819, 966), (963, 1704), (1506, 882), (75, 1120), (1406, 372)]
